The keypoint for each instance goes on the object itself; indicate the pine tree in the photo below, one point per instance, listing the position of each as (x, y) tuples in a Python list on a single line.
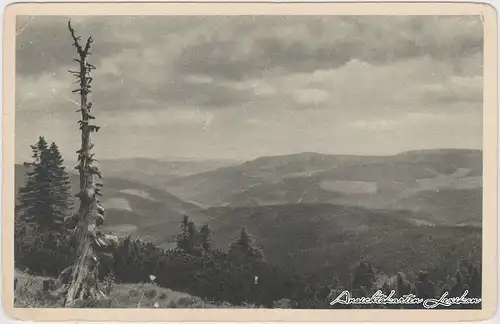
[(193, 238), (45, 200), (189, 239), (36, 202), (28, 194), (61, 185), (183, 237), (205, 238), (245, 248), (39, 214)]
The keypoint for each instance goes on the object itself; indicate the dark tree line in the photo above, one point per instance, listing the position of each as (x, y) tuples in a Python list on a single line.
[(198, 267)]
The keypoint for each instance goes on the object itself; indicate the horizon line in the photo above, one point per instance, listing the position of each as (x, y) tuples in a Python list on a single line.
[(188, 158)]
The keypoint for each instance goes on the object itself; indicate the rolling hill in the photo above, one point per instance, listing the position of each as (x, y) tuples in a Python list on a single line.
[(137, 209), (155, 173), (406, 180)]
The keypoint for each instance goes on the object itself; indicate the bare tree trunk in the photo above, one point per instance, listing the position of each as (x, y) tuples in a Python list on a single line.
[(83, 281)]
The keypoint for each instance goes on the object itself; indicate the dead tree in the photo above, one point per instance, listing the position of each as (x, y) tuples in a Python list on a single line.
[(81, 278)]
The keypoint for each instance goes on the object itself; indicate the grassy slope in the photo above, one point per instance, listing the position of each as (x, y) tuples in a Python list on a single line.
[(29, 295)]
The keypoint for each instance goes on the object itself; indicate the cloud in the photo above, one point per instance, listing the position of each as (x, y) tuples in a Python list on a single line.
[(455, 89), (304, 44), (45, 43), (199, 79), (237, 46), (173, 117), (311, 96), (359, 88), (221, 62), (220, 84), (374, 124), (409, 120), (46, 94)]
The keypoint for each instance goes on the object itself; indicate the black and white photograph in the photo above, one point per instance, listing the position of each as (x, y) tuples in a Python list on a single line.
[(249, 161)]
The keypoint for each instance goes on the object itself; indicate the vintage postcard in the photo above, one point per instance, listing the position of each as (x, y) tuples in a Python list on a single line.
[(250, 162)]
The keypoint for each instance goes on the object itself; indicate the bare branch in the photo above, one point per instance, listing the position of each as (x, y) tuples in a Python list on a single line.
[(87, 45), (75, 38)]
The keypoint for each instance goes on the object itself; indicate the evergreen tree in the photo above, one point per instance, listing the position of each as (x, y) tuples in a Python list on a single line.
[(205, 238), (193, 238), (45, 199), (35, 199), (183, 237), (245, 248), (61, 184), (188, 239), (192, 233), (43, 202)]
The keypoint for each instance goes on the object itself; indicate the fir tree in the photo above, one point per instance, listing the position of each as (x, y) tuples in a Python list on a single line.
[(36, 202), (205, 238), (61, 184), (183, 237), (193, 237), (245, 248), (189, 239), (45, 199)]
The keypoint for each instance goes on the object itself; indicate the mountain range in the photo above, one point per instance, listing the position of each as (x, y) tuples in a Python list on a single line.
[(445, 184), (309, 211)]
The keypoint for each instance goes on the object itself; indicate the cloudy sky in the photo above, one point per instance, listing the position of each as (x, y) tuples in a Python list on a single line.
[(241, 87)]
